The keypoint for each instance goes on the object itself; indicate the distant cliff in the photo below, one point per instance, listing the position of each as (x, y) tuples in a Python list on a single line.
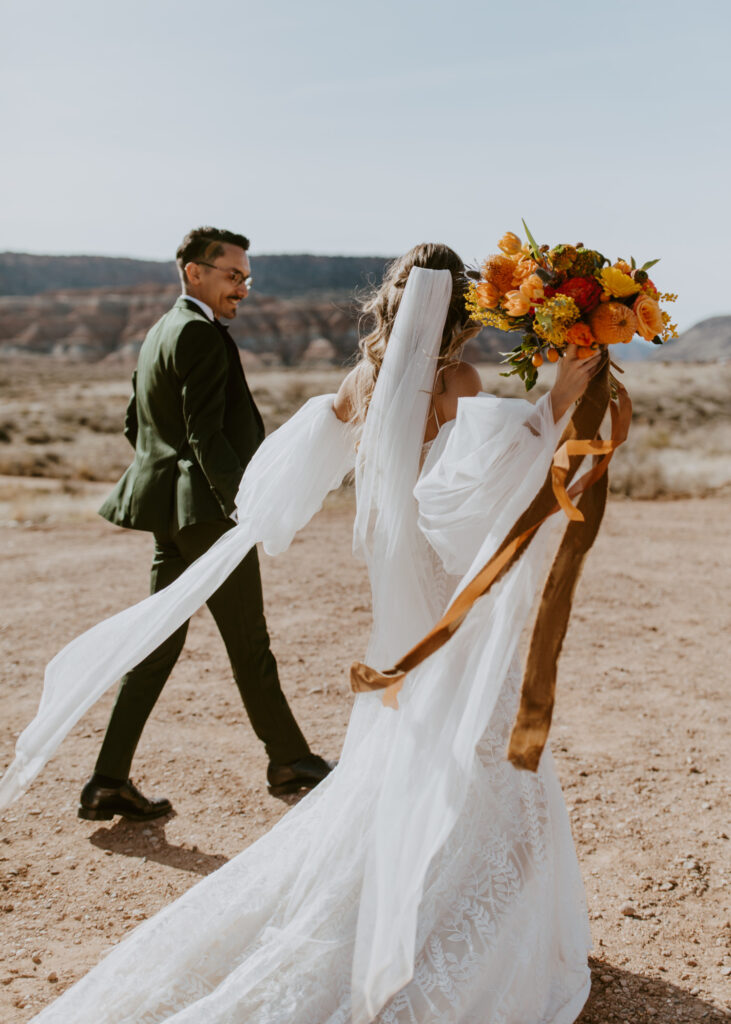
[(302, 308), (284, 276)]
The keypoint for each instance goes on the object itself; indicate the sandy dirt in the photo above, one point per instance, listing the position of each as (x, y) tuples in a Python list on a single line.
[(640, 736)]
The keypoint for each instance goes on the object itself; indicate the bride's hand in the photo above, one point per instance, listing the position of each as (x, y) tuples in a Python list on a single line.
[(572, 376)]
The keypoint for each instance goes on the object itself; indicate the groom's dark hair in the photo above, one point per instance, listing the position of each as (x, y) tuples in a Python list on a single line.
[(206, 243)]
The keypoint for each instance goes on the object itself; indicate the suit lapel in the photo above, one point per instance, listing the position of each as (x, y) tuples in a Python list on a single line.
[(237, 369)]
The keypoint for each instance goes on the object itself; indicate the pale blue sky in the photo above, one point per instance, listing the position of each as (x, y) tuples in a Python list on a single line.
[(337, 127)]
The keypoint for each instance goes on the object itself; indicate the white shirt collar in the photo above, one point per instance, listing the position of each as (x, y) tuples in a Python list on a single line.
[(203, 305)]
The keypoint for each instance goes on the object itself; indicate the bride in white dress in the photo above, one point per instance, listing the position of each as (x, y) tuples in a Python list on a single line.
[(426, 879)]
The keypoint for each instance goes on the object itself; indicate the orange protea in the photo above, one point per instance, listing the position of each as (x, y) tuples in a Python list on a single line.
[(498, 271), (516, 304), (487, 295), (612, 323), (649, 316), (580, 334), (532, 288), (510, 244)]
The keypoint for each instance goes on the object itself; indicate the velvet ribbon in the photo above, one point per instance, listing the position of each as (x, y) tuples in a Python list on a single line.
[(580, 438)]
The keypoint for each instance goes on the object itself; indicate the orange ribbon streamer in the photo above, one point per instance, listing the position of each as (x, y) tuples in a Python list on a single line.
[(365, 679)]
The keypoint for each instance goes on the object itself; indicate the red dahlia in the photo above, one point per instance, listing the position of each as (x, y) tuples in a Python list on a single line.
[(585, 291)]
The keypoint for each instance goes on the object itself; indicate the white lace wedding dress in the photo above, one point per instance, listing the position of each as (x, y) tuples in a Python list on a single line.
[(426, 880)]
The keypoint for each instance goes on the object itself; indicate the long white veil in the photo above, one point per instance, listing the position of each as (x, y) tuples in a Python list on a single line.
[(387, 466)]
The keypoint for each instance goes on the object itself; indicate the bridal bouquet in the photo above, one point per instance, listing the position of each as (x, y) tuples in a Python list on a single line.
[(567, 295)]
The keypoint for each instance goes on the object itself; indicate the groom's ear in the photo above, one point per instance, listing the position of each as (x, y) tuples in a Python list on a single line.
[(192, 273)]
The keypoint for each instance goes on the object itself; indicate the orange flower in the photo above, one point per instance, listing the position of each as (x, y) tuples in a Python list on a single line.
[(522, 269), (612, 323), (516, 304), (498, 271), (509, 244), (580, 334), (532, 288), (488, 295), (649, 316), (623, 265)]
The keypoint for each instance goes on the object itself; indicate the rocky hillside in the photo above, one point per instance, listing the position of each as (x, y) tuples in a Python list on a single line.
[(707, 342), (94, 324)]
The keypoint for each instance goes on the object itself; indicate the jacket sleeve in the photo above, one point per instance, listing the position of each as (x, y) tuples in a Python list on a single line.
[(201, 363), (130, 416)]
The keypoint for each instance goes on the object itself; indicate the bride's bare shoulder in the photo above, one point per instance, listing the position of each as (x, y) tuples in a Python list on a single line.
[(344, 402), (455, 381)]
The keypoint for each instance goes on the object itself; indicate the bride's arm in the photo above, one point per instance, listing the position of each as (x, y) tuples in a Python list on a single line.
[(462, 380), (344, 403)]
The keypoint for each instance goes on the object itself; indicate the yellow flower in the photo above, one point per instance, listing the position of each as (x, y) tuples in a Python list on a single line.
[(480, 315), (618, 284), (670, 330), (510, 244), (554, 317)]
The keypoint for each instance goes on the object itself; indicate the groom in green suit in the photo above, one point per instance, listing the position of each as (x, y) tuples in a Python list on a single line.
[(194, 426)]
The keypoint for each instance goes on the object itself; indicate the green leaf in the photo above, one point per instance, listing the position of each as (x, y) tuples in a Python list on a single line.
[(632, 262), (650, 263), (533, 244)]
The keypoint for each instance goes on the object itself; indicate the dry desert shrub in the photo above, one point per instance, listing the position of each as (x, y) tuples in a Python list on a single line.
[(63, 421)]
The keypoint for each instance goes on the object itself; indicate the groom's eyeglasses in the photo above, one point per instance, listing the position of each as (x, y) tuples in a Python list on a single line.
[(235, 276)]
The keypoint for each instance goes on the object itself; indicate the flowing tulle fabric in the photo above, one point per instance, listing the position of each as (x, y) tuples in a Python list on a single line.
[(424, 840), (282, 489)]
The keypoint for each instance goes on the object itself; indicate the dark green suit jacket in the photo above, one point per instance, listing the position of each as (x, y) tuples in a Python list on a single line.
[(192, 422)]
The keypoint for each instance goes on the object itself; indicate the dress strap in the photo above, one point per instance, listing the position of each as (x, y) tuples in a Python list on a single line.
[(433, 403)]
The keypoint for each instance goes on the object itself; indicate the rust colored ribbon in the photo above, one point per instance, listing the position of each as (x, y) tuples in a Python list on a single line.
[(536, 705)]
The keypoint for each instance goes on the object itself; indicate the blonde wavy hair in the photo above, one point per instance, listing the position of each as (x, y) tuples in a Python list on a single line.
[(379, 309)]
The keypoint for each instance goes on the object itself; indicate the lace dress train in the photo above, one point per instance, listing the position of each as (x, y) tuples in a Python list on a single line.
[(424, 841)]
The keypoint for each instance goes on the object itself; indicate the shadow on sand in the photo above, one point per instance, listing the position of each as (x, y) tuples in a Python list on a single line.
[(638, 999), (147, 839)]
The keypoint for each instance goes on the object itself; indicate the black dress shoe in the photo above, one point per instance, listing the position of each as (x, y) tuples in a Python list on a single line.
[(100, 803), (302, 774)]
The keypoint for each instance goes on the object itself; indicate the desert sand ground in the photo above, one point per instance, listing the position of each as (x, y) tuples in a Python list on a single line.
[(640, 732)]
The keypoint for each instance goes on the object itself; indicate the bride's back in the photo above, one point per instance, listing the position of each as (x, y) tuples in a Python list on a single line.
[(454, 380)]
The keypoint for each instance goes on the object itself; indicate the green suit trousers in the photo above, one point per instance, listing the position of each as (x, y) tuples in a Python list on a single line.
[(237, 607)]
